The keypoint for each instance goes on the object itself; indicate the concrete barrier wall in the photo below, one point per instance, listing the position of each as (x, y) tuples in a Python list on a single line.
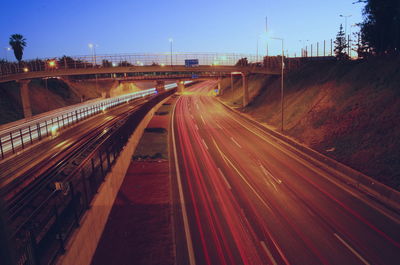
[(83, 243), (357, 179)]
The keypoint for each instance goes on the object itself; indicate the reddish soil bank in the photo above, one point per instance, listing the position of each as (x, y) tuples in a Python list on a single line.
[(346, 110)]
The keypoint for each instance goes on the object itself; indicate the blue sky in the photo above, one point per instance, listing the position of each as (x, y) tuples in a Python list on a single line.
[(58, 27)]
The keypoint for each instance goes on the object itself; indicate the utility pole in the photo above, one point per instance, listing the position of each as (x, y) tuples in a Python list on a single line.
[(170, 42), (345, 25), (282, 70)]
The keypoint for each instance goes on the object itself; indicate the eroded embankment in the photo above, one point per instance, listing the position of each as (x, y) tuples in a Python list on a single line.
[(58, 93), (349, 111)]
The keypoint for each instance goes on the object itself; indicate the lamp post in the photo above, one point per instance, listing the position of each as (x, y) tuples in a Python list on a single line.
[(282, 68), (345, 25), (7, 49), (257, 49), (303, 54), (93, 48), (350, 42), (171, 40)]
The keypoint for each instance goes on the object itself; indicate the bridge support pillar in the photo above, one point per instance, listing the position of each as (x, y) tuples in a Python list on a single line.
[(245, 85), (160, 86), (219, 87), (107, 93), (181, 86), (25, 100)]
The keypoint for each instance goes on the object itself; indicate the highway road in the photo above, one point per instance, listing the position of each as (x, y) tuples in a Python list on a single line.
[(20, 170), (20, 134), (242, 196)]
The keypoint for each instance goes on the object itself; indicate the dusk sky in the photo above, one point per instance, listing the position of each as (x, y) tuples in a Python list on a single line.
[(55, 27)]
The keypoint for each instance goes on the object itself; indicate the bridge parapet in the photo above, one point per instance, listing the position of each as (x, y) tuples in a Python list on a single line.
[(133, 63)]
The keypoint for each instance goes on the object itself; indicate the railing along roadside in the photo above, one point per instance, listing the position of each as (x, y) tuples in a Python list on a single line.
[(13, 140), (42, 237)]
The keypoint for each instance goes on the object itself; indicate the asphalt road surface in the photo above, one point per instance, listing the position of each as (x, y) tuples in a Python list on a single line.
[(245, 198), (47, 152)]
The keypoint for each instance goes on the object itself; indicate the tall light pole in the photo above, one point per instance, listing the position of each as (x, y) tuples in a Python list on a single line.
[(302, 49), (7, 49), (257, 49), (171, 40), (93, 48), (353, 25), (282, 68), (345, 24), (266, 32)]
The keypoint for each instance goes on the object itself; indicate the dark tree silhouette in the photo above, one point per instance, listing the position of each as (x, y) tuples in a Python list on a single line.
[(380, 30), (341, 45), (106, 63), (18, 43)]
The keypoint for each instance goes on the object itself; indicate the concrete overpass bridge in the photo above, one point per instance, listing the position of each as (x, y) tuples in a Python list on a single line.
[(131, 67)]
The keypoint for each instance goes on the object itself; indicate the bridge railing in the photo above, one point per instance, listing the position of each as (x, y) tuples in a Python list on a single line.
[(41, 232), (122, 60), (15, 139)]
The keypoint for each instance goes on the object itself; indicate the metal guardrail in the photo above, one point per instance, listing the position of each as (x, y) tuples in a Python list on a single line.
[(42, 236), (18, 138)]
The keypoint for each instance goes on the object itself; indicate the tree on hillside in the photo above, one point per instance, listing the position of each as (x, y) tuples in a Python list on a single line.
[(341, 45), (361, 48), (106, 63), (18, 43), (380, 29)]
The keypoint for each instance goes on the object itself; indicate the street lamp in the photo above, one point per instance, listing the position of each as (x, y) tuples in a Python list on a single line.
[(345, 23), (303, 52), (171, 40), (7, 49), (258, 39), (282, 68), (350, 40), (93, 48)]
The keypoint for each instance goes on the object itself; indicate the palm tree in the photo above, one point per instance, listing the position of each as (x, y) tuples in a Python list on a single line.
[(18, 43)]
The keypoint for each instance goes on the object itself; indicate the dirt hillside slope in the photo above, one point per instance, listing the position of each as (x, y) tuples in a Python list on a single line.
[(349, 111)]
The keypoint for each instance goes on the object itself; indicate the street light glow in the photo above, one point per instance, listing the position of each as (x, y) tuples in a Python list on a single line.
[(26, 70), (52, 63), (54, 130)]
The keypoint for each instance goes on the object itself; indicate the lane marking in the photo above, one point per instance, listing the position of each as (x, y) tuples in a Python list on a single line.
[(197, 127), (270, 182), (351, 249), (233, 140), (218, 125), (269, 174), (204, 142), (189, 242), (226, 159), (269, 254), (197, 106), (191, 115), (201, 116), (223, 176), (303, 161)]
